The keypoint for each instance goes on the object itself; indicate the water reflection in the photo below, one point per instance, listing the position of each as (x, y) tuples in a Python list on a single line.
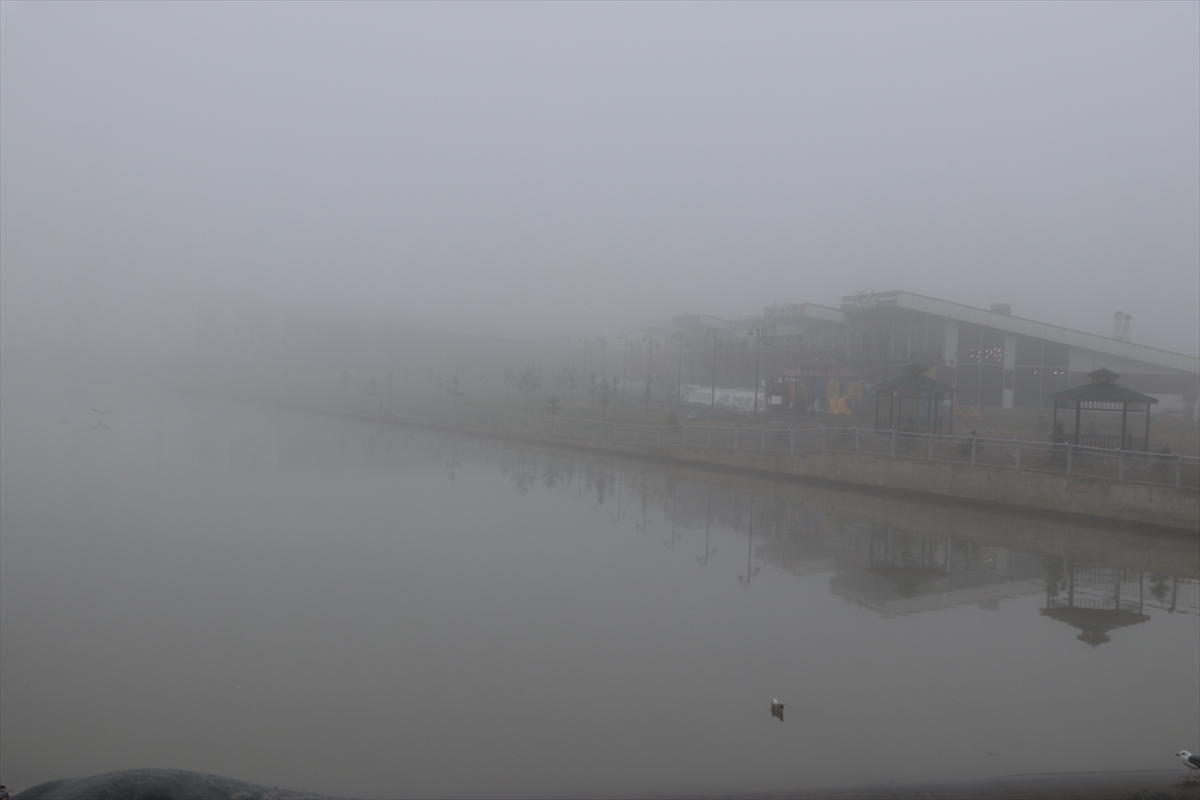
[(1095, 598), (320, 584), (751, 571), (902, 572), (887, 568), (890, 569), (934, 558), (709, 550)]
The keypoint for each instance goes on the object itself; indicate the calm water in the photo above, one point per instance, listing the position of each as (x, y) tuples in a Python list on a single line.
[(378, 611)]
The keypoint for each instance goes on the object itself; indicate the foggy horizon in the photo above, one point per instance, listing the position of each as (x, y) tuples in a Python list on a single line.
[(586, 168)]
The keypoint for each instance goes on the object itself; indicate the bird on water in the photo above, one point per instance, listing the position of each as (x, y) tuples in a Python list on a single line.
[(1190, 761), (777, 710)]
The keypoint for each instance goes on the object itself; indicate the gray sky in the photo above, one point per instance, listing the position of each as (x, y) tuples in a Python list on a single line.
[(578, 168)]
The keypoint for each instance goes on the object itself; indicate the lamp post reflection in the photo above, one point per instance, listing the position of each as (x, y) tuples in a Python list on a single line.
[(750, 571), (708, 551), (670, 542)]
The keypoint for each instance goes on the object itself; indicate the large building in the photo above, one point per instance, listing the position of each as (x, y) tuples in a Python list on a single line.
[(993, 358)]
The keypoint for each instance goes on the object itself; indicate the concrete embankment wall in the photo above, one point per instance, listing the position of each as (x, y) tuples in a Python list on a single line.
[(1154, 505), (1090, 497)]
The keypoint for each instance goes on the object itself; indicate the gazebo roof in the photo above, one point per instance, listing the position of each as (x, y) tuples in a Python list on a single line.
[(1094, 622), (914, 381), (1103, 389)]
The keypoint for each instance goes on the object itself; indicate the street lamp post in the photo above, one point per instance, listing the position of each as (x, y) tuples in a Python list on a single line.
[(679, 371), (649, 361), (757, 334), (713, 334), (624, 361)]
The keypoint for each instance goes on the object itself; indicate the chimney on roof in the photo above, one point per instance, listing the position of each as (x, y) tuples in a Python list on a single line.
[(1002, 308), (1121, 326)]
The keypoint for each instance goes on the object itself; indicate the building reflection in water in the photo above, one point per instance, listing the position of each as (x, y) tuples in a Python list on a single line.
[(902, 572), (893, 557)]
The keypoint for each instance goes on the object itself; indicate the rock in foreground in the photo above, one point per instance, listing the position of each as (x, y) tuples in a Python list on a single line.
[(160, 784)]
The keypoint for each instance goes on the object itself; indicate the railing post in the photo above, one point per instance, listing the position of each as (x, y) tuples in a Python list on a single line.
[(972, 451), (930, 434), (1121, 465), (856, 441), (1070, 458), (893, 444), (1017, 456)]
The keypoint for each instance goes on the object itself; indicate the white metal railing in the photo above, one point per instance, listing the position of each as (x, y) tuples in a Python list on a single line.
[(1122, 466)]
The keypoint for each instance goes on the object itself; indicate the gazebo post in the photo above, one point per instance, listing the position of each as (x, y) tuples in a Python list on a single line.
[(1146, 441)]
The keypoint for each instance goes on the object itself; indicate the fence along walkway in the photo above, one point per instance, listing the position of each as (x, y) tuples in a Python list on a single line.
[(1122, 466)]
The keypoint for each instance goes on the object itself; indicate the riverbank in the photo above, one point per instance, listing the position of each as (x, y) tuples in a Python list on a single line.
[(1075, 496)]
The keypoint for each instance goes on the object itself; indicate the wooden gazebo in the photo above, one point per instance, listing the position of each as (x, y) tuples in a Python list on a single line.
[(1103, 394), (913, 402)]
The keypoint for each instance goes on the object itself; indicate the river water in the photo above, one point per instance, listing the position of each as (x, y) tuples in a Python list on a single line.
[(380, 611)]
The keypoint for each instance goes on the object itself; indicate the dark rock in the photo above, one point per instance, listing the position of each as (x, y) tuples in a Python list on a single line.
[(160, 784)]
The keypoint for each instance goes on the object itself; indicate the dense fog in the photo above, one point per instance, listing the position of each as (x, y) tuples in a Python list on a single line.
[(351, 355), (584, 168)]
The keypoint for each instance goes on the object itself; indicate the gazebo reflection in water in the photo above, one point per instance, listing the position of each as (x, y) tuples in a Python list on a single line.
[(1094, 598)]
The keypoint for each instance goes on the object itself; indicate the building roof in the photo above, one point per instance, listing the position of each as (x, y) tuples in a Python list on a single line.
[(807, 311), (1023, 327)]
